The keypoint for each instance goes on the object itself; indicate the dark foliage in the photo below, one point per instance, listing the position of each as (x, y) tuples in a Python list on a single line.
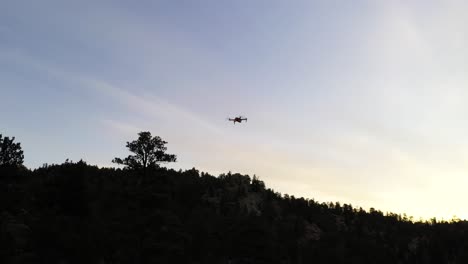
[(11, 153), (77, 213), (148, 151)]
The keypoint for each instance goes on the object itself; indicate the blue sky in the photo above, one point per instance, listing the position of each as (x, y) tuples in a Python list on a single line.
[(361, 102)]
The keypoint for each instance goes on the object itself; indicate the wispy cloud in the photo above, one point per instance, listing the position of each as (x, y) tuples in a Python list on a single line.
[(152, 106), (148, 105)]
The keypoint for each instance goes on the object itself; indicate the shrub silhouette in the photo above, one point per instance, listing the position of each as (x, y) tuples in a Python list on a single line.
[(10, 152), (149, 152)]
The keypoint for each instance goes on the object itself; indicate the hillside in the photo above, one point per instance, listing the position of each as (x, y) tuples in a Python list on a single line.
[(77, 213)]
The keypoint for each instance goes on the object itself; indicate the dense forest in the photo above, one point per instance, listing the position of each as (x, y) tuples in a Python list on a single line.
[(145, 213)]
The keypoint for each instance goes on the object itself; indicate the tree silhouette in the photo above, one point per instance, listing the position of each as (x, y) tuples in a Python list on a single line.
[(10, 152), (149, 151)]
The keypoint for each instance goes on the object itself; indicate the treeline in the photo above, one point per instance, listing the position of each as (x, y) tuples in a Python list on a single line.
[(79, 213)]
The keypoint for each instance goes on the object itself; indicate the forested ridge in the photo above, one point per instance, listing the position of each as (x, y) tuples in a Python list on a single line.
[(78, 213)]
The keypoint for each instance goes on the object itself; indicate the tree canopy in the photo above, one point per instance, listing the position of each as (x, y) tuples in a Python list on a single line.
[(148, 151), (10, 152)]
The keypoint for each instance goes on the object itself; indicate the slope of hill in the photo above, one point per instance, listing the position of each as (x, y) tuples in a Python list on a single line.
[(77, 213)]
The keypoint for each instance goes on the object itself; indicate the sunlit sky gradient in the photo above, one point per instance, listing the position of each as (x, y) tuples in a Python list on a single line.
[(362, 102)]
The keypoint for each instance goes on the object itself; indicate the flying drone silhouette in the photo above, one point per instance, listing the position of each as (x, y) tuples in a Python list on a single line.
[(238, 119)]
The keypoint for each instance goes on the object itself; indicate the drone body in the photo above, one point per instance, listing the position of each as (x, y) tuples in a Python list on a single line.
[(238, 119)]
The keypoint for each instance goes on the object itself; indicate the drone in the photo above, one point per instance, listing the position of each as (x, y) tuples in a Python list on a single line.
[(238, 119)]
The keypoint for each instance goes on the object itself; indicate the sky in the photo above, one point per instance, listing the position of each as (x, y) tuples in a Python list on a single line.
[(361, 102)]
